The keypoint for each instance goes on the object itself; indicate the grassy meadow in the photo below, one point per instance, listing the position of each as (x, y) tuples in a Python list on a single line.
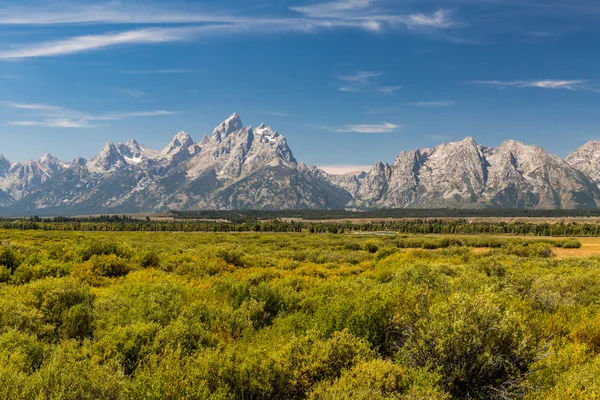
[(147, 315)]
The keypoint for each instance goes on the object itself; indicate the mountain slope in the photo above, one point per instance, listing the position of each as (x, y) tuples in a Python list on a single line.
[(238, 167), (467, 175)]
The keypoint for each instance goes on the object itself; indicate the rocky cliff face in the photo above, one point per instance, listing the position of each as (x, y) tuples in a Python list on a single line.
[(587, 160), (239, 167), (467, 175)]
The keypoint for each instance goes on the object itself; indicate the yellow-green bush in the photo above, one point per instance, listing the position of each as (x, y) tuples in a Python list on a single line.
[(115, 315)]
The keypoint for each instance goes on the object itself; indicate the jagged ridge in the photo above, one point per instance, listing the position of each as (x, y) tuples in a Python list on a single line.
[(239, 167)]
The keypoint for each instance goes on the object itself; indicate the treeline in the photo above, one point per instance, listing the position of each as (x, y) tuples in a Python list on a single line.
[(238, 216), (91, 218), (462, 227)]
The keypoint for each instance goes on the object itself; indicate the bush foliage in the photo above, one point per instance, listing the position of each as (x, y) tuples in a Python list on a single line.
[(295, 316)]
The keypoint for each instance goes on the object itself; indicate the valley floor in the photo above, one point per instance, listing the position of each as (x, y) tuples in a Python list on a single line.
[(159, 315)]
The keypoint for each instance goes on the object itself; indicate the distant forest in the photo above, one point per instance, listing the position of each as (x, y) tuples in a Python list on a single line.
[(224, 222), (246, 215)]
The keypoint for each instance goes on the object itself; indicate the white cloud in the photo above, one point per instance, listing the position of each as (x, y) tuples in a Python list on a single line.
[(439, 19), (276, 113), (364, 81), (343, 169), (360, 77), (375, 111), (107, 13), (332, 9), (132, 92), (32, 106), (51, 116), (55, 123), (432, 104), (389, 89), (189, 23), (543, 84), (363, 14), (384, 127), (80, 44), (160, 71), (138, 114)]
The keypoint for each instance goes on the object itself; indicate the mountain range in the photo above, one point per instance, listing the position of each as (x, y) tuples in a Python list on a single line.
[(239, 167)]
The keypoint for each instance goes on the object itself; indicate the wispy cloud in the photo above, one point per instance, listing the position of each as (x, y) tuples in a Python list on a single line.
[(189, 23), (343, 169), (332, 9), (132, 92), (375, 18), (276, 113), (31, 106), (364, 81), (431, 104), (116, 116), (376, 111), (107, 13), (542, 84), (55, 123), (80, 44), (438, 20), (360, 77), (52, 116), (545, 34), (364, 14), (160, 71), (389, 89), (384, 127)]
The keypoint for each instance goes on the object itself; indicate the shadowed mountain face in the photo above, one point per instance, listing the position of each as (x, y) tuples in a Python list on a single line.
[(239, 167)]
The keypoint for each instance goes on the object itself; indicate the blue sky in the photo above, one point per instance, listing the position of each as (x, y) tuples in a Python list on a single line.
[(347, 82)]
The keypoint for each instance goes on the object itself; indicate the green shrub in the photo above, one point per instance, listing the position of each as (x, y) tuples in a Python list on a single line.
[(370, 247), (91, 248), (475, 341), (9, 257), (70, 374), (149, 259), (570, 244), (66, 305), (110, 265), (22, 350), (377, 380), (5, 274), (127, 344)]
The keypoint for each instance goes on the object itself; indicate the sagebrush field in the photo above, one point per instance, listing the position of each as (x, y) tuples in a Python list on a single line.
[(293, 316)]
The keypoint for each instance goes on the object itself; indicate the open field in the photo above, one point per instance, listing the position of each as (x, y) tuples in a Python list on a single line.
[(174, 315)]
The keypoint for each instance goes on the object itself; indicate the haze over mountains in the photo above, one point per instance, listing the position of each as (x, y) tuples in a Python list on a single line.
[(239, 167)]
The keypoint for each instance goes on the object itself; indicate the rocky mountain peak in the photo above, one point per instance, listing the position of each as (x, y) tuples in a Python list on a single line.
[(182, 140), (5, 165), (237, 167), (229, 126), (50, 164), (587, 160), (79, 161), (133, 144), (109, 159), (49, 159)]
